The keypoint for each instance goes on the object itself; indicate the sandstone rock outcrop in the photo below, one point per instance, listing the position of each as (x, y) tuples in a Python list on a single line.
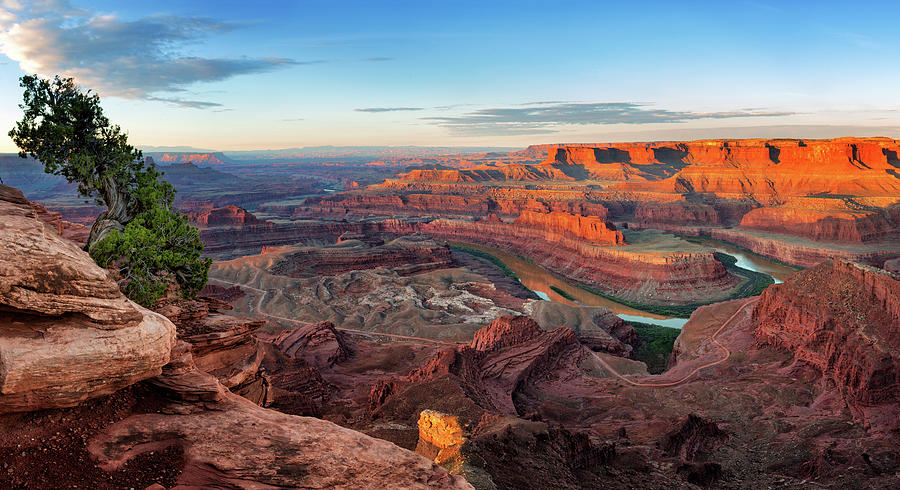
[(76, 232), (229, 215), (843, 319), (320, 344), (775, 169), (440, 438), (501, 359), (597, 328), (67, 333), (469, 203), (222, 346), (589, 228), (678, 213), (241, 444), (845, 221)]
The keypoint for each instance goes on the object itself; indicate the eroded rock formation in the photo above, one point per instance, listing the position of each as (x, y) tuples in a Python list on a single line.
[(67, 333), (69, 337), (405, 255), (230, 215), (242, 444), (843, 319)]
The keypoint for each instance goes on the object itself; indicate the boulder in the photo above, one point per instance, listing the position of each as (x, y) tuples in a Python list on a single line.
[(67, 333)]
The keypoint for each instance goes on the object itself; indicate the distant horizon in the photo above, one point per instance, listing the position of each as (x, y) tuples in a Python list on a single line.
[(472, 148)]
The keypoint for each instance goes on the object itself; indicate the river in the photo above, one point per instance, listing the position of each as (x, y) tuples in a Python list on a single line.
[(748, 260), (542, 282)]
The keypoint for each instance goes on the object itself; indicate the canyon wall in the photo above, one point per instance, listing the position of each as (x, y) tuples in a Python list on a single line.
[(843, 319), (801, 254), (405, 255), (596, 259), (838, 220), (838, 190), (502, 202), (589, 228), (646, 277)]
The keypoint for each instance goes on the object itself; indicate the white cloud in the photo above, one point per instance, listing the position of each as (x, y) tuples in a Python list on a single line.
[(547, 116), (127, 58)]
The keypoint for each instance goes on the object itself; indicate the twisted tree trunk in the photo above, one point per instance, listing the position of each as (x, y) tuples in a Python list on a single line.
[(116, 215)]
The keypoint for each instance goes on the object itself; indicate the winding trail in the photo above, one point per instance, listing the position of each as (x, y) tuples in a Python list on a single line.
[(694, 371), (260, 311)]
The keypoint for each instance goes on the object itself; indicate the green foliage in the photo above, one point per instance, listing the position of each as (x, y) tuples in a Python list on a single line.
[(66, 130), (658, 342), (677, 311), (151, 246), (757, 282), (562, 293), (156, 248), (490, 258)]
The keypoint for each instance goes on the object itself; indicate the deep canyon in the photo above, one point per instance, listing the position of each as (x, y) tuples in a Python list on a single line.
[(472, 321)]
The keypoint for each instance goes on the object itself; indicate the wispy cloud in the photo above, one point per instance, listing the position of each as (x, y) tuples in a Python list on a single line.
[(389, 109), (126, 58), (545, 117), (451, 106), (193, 104), (547, 102), (293, 119), (378, 58)]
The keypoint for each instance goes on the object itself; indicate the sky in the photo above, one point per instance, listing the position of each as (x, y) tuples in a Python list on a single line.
[(238, 75)]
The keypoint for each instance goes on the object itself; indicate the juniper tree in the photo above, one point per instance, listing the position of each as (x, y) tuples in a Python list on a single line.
[(139, 233)]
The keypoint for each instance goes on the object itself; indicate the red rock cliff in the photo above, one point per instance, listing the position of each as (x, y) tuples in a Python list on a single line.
[(590, 228), (842, 318)]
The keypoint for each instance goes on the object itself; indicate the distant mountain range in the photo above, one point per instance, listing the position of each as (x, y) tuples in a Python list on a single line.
[(165, 155)]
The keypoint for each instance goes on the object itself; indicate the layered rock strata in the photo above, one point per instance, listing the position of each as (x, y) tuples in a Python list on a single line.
[(67, 333), (221, 345), (229, 215), (843, 319), (584, 249), (405, 255)]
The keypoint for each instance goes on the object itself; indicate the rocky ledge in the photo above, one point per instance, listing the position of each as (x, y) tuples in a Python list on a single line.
[(67, 333)]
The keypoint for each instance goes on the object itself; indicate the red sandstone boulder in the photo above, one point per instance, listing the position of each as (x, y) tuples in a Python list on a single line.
[(67, 333)]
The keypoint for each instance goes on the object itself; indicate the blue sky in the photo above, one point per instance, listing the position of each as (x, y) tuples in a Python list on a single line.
[(252, 75)]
